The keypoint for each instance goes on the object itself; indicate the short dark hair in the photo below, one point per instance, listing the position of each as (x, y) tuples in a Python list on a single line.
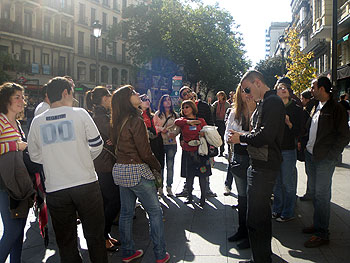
[(325, 83), (56, 86), (306, 94), (6, 91), (44, 91), (252, 75)]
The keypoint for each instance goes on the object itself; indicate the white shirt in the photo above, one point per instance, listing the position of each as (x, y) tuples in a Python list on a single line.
[(65, 140), (232, 124), (313, 128), (43, 106)]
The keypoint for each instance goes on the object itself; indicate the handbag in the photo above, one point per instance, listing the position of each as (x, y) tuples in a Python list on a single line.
[(212, 151), (158, 180)]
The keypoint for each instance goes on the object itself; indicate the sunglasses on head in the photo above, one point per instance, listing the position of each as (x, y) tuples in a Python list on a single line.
[(144, 99), (246, 90)]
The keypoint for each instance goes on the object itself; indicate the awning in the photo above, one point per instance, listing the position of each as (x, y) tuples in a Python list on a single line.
[(343, 72)]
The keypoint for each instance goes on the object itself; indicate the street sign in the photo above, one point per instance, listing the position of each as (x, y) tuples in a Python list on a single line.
[(22, 80), (177, 82)]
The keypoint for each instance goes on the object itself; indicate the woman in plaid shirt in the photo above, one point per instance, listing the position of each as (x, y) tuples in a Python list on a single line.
[(133, 173)]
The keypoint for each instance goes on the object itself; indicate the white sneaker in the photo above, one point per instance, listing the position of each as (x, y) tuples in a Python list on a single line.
[(160, 191), (169, 191), (227, 190)]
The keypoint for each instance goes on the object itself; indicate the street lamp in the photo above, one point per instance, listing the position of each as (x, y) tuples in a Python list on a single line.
[(97, 30), (282, 43)]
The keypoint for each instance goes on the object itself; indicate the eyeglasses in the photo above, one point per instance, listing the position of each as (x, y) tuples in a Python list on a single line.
[(144, 99), (246, 90)]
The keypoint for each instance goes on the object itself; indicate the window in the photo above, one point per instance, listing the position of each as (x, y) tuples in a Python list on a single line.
[(115, 5), (115, 76), (62, 66), (26, 56), (80, 42), (64, 29), (115, 21), (27, 23), (82, 13), (81, 69), (46, 59), (114, 49), (47, 28), (123, 53), (104, 47), (92, 73), (105, 2), (92, 46), (124, 77), (104, 74), (4, 50), (93, 15), (104, 21), (6, 11), (125, 3), (318, 8)]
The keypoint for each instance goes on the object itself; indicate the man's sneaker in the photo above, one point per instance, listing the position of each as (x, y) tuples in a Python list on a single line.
[(210, 193), (184, 193), (194, 143), (169, 191), (138, 254), (227, 191), (275, 215), (283, 219), (160, 191), (166, 259), (316, 241)]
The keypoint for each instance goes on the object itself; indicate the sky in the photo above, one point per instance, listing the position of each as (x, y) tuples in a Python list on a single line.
[(254, 17)]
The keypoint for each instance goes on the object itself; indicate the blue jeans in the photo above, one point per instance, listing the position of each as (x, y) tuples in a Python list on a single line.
[(169, 151), (260, 185), (146, 192), (241, 181), (321, 172), (12, 239), (286, 185)]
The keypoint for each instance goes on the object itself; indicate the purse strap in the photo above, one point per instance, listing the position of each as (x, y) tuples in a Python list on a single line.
[(121, 128)]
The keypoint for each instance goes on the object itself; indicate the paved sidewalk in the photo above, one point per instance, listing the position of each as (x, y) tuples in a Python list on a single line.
[(200, 235)]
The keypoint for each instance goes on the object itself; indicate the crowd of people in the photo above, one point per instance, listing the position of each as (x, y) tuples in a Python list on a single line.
[(97, 162)]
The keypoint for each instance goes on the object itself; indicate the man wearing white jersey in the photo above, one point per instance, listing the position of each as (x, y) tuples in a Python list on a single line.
[(65, 140)]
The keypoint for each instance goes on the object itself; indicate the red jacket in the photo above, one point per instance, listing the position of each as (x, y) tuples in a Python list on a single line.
[(189, 133)]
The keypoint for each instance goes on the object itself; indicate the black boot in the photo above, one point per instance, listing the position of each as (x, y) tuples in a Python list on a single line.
[(242, 215), (244, 244)]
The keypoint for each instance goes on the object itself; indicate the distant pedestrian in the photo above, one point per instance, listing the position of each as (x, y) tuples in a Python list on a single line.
[(264, 148), (328, 135), (29, 111), (344, 100), (219, 109), (164, 120), (11, 104), (45, 104), (133, 173), (98, 102), (192, 164), (66, 140), (239, 119), (286, 183)]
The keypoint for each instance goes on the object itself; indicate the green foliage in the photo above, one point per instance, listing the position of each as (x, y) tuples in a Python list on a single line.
[(299, 69), (270, 68), (203, 39)]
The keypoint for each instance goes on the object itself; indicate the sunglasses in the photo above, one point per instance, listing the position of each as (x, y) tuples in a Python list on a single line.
[(185, 93), (186, 107), (144, 99), (246, 90)]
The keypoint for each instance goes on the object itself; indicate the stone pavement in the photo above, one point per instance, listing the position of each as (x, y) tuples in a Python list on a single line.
[(200, 235)]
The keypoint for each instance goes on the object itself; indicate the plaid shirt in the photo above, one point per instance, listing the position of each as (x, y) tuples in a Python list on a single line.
[(129, 175)]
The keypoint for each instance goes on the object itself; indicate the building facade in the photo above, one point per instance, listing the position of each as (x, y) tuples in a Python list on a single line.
[(272, 36), (54, 38)]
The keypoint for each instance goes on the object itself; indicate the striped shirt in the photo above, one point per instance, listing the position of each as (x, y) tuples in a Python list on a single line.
[(8, 135), (129, 175)]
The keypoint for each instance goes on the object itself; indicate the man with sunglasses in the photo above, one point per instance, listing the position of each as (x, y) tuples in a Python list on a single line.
[(264, 148)]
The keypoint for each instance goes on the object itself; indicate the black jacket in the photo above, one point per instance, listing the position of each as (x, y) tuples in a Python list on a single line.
[(264, 141), (204, 111), (332, 132), (290, 135)]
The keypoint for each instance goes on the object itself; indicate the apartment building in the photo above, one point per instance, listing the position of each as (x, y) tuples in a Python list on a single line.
[(55, 38), (272, 36)]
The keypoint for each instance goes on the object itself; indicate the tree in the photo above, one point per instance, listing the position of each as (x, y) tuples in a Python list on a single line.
[(270, 68), (201, 38), (299, 69)]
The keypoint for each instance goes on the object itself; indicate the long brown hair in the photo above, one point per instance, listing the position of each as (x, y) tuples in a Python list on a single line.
[(121, 110), (238, 103)]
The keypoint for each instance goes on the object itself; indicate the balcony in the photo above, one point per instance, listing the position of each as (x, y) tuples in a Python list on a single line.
[(344, 16), (11, 27), (87, 52)]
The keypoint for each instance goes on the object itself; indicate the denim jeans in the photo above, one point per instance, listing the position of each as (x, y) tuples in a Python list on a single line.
[(169, 151), (260, 185), (12, 239), (64, 205), (241, 181), (286, 185), (146, 192), (321, 172)]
